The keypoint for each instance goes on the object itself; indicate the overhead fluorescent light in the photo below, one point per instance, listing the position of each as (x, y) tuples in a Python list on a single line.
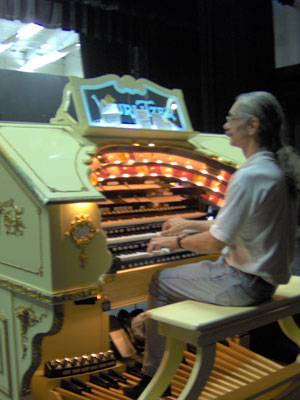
[(24, 33), (29, 30), (40, 61), (5, 46)]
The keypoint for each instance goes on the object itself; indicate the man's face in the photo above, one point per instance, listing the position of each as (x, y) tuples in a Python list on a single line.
[(236, 129)]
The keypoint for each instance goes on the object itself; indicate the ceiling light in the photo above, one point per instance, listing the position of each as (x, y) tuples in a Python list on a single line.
[(40, 61), (20, 62), (5, 46), (28, 30)]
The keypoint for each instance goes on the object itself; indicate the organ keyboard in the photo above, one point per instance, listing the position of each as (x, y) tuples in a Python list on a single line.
[(128, 243), (80, 199)]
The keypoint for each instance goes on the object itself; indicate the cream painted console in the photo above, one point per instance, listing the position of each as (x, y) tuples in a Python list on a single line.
[(49, 238), (52, 248)]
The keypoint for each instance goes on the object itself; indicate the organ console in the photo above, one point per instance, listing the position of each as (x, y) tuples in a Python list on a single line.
[(80, 198)]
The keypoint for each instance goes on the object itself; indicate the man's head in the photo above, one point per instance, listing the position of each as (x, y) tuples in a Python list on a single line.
[(263, 108), (242, 130), (259, 115)]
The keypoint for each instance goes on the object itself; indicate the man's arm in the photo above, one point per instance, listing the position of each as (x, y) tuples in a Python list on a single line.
[(202, 242), (178, 224)]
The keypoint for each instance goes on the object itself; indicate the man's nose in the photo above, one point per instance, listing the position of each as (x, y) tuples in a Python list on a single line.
[(226, 126)]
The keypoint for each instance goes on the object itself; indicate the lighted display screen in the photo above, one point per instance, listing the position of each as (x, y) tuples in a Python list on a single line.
[(108, 105)]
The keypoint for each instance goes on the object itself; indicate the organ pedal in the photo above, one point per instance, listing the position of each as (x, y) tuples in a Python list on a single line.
[(238, 374)]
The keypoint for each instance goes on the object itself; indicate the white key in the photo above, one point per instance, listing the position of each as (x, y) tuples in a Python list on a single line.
[(132, 238), (142, 254), (133, 256)]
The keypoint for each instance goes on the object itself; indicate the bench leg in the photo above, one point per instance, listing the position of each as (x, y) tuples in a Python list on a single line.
[(200, 373), (172, 357), (168, 366), (291, 329)]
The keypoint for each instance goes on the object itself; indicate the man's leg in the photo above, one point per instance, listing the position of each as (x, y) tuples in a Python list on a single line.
[(207, 281)]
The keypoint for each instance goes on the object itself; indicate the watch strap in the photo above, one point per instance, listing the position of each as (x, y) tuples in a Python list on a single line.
[(180, 238)]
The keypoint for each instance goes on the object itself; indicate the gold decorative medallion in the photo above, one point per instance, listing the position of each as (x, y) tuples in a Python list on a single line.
[(12, 218), (82, 232), (28, 319)]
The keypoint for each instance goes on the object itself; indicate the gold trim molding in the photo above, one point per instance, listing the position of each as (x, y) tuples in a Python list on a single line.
[(12, 218), (55, 298), (5, 354), (37, 345)]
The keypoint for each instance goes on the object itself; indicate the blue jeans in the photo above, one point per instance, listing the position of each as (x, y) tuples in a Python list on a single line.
[(206, 281)]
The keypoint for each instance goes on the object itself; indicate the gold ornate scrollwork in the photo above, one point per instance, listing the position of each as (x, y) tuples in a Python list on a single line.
[(28, 319), (12, 218), (82, 232), (36, 348)]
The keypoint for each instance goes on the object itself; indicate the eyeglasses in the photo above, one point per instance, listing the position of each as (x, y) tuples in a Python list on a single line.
[(230, 118)]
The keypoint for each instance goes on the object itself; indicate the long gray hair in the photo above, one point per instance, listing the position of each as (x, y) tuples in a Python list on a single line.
[(271, 135)]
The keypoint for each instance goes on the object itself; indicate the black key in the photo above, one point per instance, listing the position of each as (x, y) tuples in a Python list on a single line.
[(70, 386), (113, 382), (83, 386), (98, 381), (134, 371), (118, 376)]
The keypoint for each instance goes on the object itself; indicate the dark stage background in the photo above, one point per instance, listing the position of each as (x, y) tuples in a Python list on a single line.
[(211, 49)]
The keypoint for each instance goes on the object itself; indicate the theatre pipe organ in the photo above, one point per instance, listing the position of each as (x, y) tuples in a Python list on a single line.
[(80, 198)]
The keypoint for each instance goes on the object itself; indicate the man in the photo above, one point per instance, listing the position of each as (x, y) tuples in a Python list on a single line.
[(254, 232)]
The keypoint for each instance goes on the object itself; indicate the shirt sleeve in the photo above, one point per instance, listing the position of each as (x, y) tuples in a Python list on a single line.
[(233, 214)]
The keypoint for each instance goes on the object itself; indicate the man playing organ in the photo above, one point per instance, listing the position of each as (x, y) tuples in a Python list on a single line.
[(254, 232)]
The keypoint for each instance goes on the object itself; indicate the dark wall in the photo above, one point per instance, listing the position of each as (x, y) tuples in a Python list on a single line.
[(287, 89), (27, 97)]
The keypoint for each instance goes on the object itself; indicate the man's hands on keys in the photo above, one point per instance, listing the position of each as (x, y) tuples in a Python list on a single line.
[(173, 226), (168, 242), (164, 240)]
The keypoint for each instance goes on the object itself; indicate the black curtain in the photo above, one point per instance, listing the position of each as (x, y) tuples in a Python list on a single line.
[(236, 54), (80, 15), (212, 50), (47, 13)]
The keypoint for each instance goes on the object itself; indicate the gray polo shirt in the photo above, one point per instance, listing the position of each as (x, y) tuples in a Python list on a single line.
[(258, 220)]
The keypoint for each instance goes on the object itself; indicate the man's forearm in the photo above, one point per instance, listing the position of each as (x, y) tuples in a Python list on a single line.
[(202, 242), (199, 226)]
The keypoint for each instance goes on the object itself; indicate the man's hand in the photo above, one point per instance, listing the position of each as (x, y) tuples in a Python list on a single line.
[(169, 242), (173, 225)]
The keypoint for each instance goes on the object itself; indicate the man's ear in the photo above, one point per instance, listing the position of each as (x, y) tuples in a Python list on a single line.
[(253, 126)]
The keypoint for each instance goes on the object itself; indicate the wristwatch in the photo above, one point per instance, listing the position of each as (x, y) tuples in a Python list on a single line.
[(180, 238)]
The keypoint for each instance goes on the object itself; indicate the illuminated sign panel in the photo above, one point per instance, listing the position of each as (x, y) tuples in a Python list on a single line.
[(108, 104)]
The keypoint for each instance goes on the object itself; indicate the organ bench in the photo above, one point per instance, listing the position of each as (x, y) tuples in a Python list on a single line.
[(203, 325)]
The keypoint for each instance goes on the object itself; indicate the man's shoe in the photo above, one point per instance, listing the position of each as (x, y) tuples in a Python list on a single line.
[(135, 391)]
